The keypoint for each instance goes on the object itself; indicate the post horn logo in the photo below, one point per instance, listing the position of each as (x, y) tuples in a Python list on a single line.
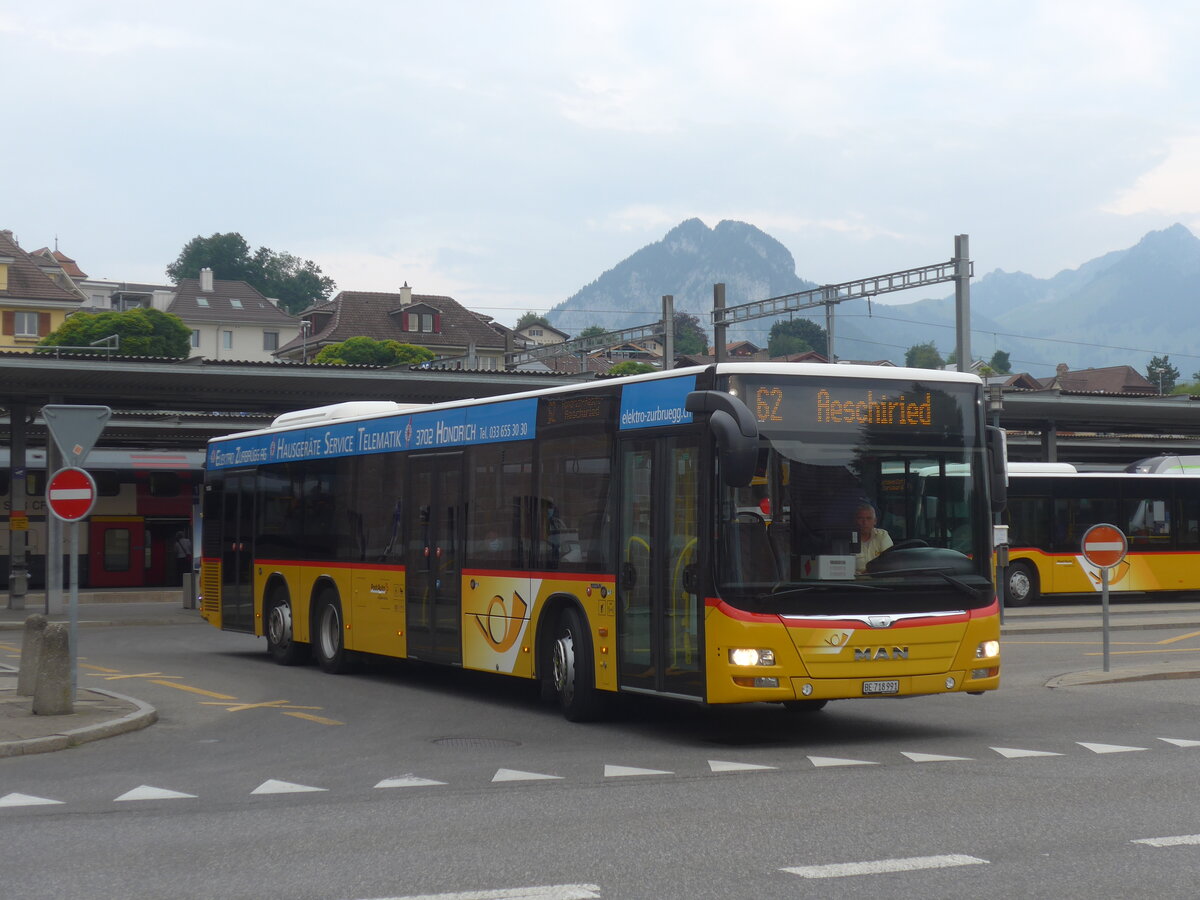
[(500, 627)]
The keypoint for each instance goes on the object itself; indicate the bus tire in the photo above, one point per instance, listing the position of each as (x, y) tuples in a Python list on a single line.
[(281, 635), (571, 669), (1020, 584), (329, 639)]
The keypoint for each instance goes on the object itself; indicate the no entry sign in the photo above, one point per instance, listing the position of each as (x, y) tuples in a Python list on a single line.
[(1104, 546), (71, 494)]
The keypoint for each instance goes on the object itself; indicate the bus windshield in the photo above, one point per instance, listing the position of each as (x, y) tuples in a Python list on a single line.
[(858, 504)]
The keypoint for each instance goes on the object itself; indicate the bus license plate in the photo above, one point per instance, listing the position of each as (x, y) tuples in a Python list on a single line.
[(881, 687)]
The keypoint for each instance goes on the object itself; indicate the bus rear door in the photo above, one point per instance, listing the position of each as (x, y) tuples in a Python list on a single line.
[(433, 587), (237, 552)]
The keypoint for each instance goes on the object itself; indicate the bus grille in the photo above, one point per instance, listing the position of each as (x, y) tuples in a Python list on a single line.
[(210, 588)]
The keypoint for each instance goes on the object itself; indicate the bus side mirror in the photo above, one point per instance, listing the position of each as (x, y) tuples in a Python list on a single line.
[(997, 452), (735, 430)]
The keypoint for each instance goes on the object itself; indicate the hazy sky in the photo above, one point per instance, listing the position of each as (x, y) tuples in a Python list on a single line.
[(507, 153)]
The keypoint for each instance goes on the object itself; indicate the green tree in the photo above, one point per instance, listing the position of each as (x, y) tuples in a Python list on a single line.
[(531, 318), (592, 331), (142, 332), (296, 283), (631, 367), (790, 336), (690, 337), (365, 351), (1000, 363), (1162, 374), (228, 255), (924, 356)]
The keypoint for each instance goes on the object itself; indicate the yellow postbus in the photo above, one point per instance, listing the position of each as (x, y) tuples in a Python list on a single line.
[(1051, 505), (688, 534)]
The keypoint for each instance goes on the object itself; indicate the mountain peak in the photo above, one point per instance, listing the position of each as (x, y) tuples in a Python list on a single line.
[(1177, 237)]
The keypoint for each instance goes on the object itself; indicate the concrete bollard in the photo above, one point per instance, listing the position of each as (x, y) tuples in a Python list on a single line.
[(31, 654), (52, 696)]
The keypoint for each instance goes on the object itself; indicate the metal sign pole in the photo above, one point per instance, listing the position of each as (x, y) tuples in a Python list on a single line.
[(1104, 608), (73, 634)]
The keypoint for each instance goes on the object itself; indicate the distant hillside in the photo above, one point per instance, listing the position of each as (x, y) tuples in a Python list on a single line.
[(1143, 298)]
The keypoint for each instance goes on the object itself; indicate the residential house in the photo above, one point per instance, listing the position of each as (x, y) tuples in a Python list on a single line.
[(33, 303), (231, 320), (1107, 380), (539, 334), (440, 324)]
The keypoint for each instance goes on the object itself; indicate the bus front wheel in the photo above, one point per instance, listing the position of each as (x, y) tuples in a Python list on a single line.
[(330, 642), (281, 636), (571, 672), (1020, 584)]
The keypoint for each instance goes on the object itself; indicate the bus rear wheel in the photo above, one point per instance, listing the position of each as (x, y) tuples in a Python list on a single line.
[(281, 636), (1020, 584), (571, 669), (330, 642)]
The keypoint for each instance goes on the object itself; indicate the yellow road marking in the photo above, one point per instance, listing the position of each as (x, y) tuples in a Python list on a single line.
[(194, 690), (230, 703), (1182, 637), (139, 675), (318, 719), (269, 704)]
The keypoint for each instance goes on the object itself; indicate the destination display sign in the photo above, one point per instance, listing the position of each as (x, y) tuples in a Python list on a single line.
[(512, 420), (853, 404)]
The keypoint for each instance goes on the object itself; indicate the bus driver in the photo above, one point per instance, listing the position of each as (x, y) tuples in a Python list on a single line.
[(871, 540)]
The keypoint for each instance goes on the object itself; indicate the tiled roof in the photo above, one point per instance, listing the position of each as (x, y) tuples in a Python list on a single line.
[(68, 265), (1109, 380), (26, 280), (218, 306), (376, 315)]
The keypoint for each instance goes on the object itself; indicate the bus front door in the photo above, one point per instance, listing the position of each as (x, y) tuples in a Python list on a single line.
[(237, 552), (658, 609), (433, 586)]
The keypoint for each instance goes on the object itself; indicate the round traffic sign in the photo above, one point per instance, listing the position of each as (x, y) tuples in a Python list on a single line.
[(71, 494), (1104, 545)]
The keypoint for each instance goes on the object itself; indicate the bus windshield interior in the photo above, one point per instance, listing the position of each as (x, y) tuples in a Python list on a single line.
[(799, 539)]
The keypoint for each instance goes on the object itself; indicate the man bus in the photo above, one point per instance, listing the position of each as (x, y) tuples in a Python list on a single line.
[(605, 538)]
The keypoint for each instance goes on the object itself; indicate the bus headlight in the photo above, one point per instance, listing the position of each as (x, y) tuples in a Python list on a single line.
[(745, 656), (987, 649)]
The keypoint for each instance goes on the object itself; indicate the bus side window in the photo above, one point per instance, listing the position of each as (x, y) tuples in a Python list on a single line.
[(1187, 522), (1149, 524), (1029, 521)]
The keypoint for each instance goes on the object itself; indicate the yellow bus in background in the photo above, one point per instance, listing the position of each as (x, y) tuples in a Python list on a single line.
[(1051, 505), (687, 534)]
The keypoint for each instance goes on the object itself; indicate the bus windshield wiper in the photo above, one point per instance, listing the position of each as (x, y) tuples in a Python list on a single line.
[(788, 593), (941, 573)]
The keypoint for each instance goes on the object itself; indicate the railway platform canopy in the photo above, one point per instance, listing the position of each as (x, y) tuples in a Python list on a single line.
[(178, 403), (182, 403)]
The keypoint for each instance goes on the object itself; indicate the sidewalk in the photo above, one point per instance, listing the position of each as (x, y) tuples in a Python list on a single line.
[(100, 714), (97, 713)]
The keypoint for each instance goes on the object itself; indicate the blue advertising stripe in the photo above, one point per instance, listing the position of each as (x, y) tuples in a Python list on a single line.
[(651, 404), (512, 420)]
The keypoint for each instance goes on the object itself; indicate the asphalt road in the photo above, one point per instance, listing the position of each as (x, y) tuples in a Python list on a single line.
[(404, 781)]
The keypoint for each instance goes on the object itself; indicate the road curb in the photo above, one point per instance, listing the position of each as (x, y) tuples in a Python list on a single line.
[(1097, 676), (142, 716)]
